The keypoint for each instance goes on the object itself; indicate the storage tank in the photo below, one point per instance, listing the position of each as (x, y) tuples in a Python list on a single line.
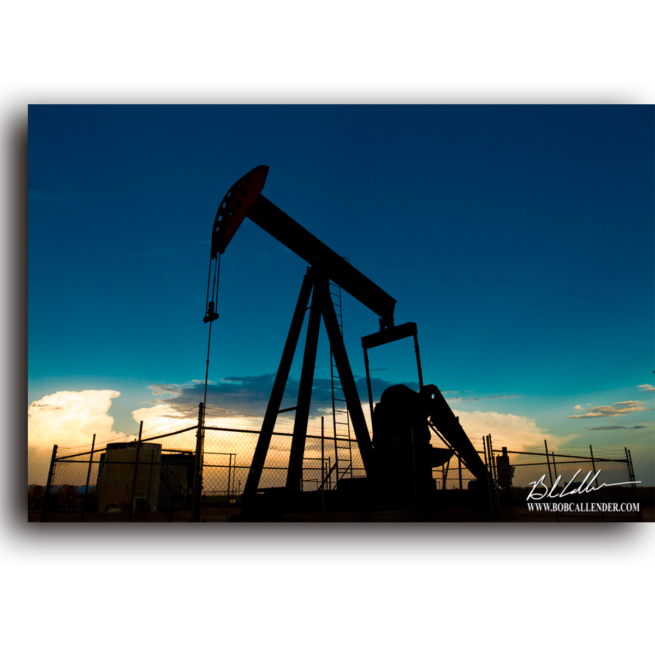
[(116, 476)]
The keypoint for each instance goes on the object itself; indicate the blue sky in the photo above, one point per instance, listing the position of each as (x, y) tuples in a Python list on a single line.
[(519, 239)]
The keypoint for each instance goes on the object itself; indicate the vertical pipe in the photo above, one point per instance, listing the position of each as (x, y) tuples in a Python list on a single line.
[(197, 464), (368, 385), (136, 466), (336, 457), (48, 486), (494, 479), (88, 477), (418, 362), (493, 459), (459, 459), (414, 471)]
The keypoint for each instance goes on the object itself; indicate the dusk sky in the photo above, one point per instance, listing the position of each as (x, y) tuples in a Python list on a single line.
[(519, 238)]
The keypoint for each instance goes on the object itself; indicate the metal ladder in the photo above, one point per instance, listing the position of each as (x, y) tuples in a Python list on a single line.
[(340, 417)]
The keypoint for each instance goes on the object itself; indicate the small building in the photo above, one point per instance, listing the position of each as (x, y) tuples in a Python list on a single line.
[(116, 477)]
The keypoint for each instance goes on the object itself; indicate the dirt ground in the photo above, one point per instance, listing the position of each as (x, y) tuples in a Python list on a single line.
[(208, 515), (212, 515)]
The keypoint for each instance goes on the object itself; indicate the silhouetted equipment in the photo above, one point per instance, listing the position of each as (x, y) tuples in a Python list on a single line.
[(400, 459), (505, 471), (211, 315)]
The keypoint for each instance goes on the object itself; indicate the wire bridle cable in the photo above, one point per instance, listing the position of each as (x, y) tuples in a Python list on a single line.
[(215, 300)]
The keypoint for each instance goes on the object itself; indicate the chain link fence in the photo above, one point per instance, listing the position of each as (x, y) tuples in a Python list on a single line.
[(187, 474), (571, 484)]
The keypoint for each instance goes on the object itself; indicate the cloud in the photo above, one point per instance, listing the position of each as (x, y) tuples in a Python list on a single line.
[(616, 409), (475, 399), (68, 419), (245, 396), (578, 407), (647, 387), (617, 427), (172, 389), (248, 396), (510, 428), (242, 401), (163, 415)]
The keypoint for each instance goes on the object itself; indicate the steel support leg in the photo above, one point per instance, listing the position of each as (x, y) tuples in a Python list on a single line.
[(294, 473), (277, 393)]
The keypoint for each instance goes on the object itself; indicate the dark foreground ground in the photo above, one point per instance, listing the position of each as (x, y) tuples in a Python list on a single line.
[(508, 515), (451, 507)]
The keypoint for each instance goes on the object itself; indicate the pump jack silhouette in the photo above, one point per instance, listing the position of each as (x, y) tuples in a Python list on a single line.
[(399, 459)]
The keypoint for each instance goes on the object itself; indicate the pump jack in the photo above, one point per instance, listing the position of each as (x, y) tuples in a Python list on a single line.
[(399, 460)]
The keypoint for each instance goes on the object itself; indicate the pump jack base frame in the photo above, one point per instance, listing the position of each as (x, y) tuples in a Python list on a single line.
[(316, 285)]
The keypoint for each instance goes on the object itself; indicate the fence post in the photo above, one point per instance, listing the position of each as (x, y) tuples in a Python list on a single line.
[(494, 480), (487, 463), (229, 480), (550, 475), (593, 465), (554, 465), (136, 466), (88, 477), (49, 483), (152, 456), (197, 464), (323, 467), (632, 478)]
